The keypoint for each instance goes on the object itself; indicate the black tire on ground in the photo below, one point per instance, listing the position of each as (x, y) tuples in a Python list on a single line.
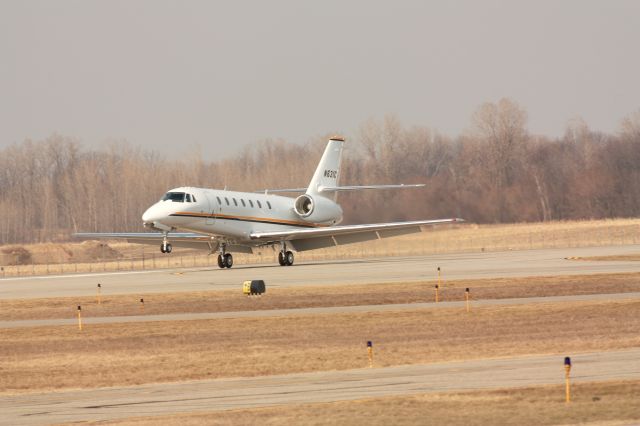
[(289, 258), (228, 260), (220, 262), (281, 259)]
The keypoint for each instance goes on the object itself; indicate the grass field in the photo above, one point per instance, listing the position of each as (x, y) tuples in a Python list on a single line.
[(53, 258), (40, 359), (303, 297), (45, 358), (606, 403)]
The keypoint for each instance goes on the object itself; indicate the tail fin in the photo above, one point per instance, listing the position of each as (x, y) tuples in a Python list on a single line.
[(328, 170)]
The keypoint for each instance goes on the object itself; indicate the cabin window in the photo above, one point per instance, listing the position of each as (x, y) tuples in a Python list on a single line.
[(176, 197), (188, 197), (269, 204), (219, 201), (251, 203), (235, 202), (259, 205), (227, 200), (243, 204), (193, 197)]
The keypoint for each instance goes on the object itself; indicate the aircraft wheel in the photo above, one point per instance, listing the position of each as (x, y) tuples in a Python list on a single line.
[(288, 258), (221, 263), (228, 260), (162, 248), (281, 259), (168, 248)]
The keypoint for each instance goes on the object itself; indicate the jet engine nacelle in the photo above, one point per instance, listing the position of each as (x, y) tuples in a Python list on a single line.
[(317, 209)]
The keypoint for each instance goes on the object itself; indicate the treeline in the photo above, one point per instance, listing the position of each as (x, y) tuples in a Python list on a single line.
[(496, 172)]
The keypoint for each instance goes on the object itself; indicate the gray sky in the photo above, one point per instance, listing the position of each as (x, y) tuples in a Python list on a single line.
[(172, 74)]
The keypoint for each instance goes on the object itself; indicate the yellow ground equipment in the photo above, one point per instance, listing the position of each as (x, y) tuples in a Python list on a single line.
[(253, 287)]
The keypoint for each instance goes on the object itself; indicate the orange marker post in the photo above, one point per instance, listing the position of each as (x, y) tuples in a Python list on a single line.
[(370, 353), (142, 305), (437, 287), (567, 382), (79, 318), (99, 295), (466, 297)]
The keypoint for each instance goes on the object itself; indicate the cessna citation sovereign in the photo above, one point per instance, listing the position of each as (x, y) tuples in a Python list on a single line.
[(228, 221)]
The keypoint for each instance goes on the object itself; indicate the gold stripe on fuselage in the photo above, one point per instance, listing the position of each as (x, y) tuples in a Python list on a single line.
[(250, 219)]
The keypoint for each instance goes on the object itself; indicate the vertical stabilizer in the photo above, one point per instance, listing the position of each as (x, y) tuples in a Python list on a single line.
[(328, 171)]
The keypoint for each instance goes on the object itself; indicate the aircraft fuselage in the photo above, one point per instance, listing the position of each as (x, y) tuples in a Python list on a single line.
[(227, 213)]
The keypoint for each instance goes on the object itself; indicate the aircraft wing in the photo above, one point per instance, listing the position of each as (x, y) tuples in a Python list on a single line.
[(309, 239), (177, 239)]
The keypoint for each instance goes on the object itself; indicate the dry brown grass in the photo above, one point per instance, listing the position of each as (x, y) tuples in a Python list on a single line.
[(70, 258), (43, 358), (302, 297), (610, 403)]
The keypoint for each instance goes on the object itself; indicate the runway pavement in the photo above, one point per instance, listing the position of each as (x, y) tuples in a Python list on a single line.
[(454, 266), (224, 394), (320, 310)]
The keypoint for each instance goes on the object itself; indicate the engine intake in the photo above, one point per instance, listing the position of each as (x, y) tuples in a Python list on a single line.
[(304, 205), (317, 209)]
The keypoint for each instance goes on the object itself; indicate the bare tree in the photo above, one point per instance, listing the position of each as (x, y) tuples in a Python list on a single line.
[(501, 126)]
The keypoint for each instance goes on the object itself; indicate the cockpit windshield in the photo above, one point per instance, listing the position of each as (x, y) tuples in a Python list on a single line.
[(176, 197)]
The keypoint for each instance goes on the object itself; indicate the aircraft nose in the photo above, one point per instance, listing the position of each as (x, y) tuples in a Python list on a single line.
[(150, 215)]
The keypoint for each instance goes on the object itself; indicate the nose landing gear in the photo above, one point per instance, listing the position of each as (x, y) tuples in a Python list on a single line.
[(165, 247), (225, 260)]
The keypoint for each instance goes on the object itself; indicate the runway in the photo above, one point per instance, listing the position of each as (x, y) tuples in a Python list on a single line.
[(224, 394), (610, 297), (391, 269)]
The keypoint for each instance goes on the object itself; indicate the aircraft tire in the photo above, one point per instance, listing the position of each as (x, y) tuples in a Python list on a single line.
[(288, 258), (221, 263), (228, 260), (162, 248), (281, 259), (168, 248)]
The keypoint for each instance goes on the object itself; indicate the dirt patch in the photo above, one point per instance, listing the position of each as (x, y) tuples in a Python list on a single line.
[(626, 258), (54, 253), (88, 251), (15, 255)]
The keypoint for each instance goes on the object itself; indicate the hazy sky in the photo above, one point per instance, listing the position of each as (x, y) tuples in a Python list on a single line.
[(172, 74)]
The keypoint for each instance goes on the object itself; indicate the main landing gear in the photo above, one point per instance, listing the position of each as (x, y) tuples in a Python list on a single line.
[(225, 260), (165, 247), (285, 257)]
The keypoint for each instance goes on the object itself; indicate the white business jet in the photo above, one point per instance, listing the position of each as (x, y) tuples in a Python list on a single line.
[(226, 221)]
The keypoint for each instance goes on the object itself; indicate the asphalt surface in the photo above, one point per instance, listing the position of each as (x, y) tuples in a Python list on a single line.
[(224, 394), (321, 310), (454, 266)]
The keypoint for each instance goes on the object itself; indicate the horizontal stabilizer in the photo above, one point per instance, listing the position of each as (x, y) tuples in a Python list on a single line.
[(359, 187), (345, 188)]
